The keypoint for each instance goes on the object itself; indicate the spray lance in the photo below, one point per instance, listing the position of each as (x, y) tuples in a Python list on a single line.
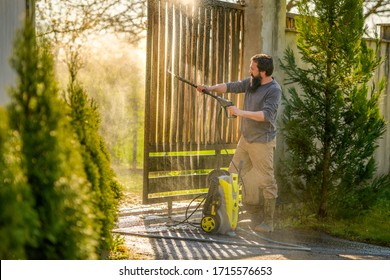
[(225, 103)]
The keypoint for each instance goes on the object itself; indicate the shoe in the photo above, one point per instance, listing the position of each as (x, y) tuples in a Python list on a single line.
[(269, 209), (263, 227)]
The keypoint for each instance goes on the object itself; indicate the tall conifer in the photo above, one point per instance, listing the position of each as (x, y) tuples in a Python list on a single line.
[(19, 223), (332, 122), (106, 189), (50, 156)]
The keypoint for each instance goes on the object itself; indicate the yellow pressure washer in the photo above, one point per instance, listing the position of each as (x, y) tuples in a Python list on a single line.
[(220, 210)]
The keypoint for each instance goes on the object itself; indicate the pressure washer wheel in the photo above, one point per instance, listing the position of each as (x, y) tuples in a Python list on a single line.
[(210, 224)]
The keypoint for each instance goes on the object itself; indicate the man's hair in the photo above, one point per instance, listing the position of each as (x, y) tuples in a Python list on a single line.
[(264, 63)]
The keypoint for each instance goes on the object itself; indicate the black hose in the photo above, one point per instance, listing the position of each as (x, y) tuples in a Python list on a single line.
[(233, 243), (187, 217), (271, 240)]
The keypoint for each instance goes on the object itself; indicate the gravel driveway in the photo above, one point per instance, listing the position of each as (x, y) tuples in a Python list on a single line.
[(151, 235)]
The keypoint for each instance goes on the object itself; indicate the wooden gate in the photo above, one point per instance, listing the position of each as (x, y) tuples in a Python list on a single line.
[(186, 134)]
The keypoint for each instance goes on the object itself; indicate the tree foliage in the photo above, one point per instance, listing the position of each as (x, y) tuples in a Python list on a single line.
[(63, 20), (96, 160), (119, 93), (113, 27), (371, 7), (50, 156), (332, 123), (18, 219)]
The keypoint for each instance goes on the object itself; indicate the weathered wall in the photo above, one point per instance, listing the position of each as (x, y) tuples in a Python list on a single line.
[(383, 152), (264, 30), (11, 15)]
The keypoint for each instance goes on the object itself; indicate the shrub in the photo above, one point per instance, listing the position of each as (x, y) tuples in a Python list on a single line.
[(18, 219), (50, 156), (96, 160)]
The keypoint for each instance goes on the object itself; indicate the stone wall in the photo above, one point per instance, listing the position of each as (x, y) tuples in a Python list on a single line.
[(12, 13)]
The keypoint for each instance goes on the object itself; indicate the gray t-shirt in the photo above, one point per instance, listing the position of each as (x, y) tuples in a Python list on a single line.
[(266, 98)]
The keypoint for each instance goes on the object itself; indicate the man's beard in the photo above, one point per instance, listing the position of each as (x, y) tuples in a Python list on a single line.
[(254, 83)]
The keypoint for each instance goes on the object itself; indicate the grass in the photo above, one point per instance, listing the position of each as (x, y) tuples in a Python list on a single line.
[(370, 227), (119, 251), (373, 226), (132, 182)]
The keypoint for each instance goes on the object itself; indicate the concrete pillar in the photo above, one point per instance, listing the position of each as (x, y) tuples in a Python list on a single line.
[(265, 22), (12, 13), (265, 25)]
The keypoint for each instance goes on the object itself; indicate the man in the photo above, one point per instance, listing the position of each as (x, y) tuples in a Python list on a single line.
[(258, 129)]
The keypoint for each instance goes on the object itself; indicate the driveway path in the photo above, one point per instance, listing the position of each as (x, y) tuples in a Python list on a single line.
[(151, 234)]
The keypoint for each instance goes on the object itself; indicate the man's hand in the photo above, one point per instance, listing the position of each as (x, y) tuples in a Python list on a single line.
[(233, 111), (202, 87)]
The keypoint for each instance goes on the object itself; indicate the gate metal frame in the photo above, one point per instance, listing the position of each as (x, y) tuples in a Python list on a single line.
[(185, 137)]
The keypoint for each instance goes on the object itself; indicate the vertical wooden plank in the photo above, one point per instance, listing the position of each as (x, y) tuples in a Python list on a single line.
[(148, 99), (161, 121), (242, 63), (206, 70), (242, 28), (192, 75), (181, 71), (220, 120), (178, 85), (151, 67), (168, 87), (175, 116), (226, 60), (200, 74), (236, 40), (221, 45), (187, 70), (233, 69), (213, 64), (242, 69), (230, 69)]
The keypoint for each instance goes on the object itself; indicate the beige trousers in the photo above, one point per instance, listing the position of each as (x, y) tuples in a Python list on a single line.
[(257, 172)]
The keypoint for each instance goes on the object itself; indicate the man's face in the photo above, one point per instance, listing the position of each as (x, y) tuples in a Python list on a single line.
[(253, 70), (256, 78)]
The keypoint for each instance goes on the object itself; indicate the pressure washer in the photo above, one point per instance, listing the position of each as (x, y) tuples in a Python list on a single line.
[(220, 210)]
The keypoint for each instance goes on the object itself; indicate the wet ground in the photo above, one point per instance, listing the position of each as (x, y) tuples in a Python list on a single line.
[(151, 234)]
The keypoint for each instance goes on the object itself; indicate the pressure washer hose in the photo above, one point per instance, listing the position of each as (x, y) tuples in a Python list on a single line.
[(233, 243), (250, 231), (279, 245)]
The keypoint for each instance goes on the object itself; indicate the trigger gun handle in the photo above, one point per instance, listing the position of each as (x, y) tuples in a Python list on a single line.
[(225, 104)]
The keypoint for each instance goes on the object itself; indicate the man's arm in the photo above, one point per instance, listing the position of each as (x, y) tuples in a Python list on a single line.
[(219, 88), (256, 116)]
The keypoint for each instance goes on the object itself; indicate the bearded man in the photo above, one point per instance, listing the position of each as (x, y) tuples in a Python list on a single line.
[(257, 144)]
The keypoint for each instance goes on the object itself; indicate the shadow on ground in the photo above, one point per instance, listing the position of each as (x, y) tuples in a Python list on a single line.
[(151, 234)]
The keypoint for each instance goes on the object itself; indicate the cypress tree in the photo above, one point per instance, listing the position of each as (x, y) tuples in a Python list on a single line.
[(106, 189), (19, 223), (332, 123), (51, 156)]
